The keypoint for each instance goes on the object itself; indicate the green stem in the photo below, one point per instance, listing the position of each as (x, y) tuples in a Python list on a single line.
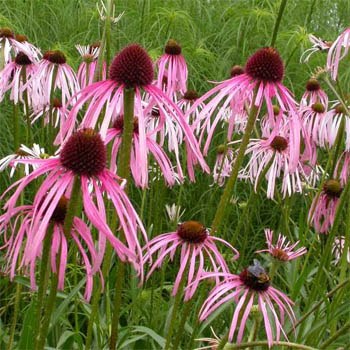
[(174, 314), (124, 172), (51, 300), (44, 276), (278, 22), (265, 343), (335, 336), (108, 31), (184, 315), (225, 198), (15, 316)]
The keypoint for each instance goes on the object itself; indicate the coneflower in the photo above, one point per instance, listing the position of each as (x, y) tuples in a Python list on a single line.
[(261, 84), (172, 70), (132, 69), (82, 162), (197, 249), (250, 286)]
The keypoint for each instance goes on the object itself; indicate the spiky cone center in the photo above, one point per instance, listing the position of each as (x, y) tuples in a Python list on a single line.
[(172, 47), (221, 149), (265, 65), (279, 254), (340, 109), (119, 124), (22, 59), (132, 67), (236, 70), (6, 33), (258, 282), (318, 107), (313, 85), (59, 214), (84, 153), (332, 188), (279, 143), (276, 110), (192, 232), (56, 103), (55, 56), (94, 45), (191, 95), (21, 38)]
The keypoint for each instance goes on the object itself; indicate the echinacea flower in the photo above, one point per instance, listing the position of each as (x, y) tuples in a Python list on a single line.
[(139, 163), (318, 44), (23, 237), (24, 152), (196, 247), (282, 250), (12, 45), (323, 207), (14, 78), (82, 159), (87, 68), (53, 75), (261, 84), (314, 94), (272, 156), (132, 69), (337, 52), (173, 67), (250, 286)]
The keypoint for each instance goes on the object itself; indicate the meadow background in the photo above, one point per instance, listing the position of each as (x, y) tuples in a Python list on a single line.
[(214, 35)]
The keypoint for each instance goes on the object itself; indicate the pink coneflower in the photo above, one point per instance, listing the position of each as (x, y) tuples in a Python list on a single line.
[(336, 115), (324, 206), (139, 154), (274, 153), (317, 45), (23, 238), (132, 69), (337, 52), (87, 68), (24, 152), (223, 164), (83, 156), (318, 124), (282, 250), (197, 247), (54, 74), (11, 44), (263, 75), (314, 94), (252, 284), (14, 78), (172, 66)]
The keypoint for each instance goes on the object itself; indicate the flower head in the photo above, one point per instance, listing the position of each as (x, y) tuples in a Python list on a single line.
[(172, 69), (318, 44), (282, 250), (83, 158), (196, 248), (250, 286)]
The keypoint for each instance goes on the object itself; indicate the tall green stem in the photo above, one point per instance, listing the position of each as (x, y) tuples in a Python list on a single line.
[(184, 315), (278, 22), (223, 204), (72, 209), (174, 313), (124, 172)]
